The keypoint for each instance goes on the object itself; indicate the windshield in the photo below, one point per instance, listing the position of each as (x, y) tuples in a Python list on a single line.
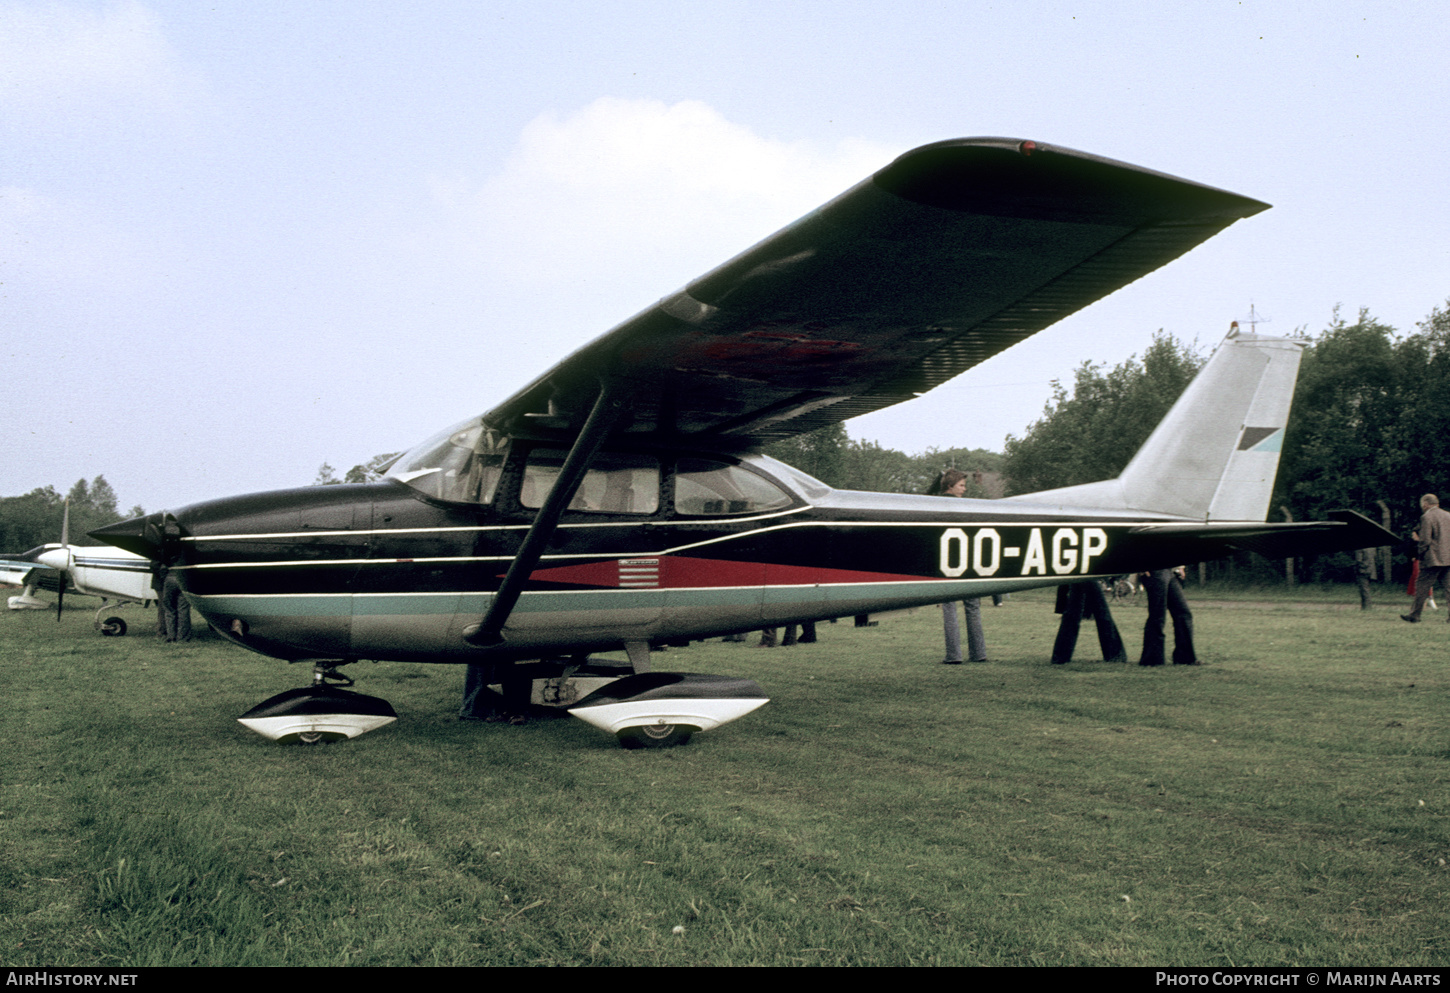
[(807, 485), (461, 464)]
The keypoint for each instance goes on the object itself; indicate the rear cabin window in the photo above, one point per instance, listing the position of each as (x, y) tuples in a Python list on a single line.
[(614, 484), (714, 489)]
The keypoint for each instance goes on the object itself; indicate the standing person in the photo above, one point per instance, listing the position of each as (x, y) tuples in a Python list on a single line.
[(807, 634), (175, 608), (1363, 567), (1414, 582), (953, 483), (482, 704), (1432, 540), (1164, 588), (1076, 601), (158, 584)]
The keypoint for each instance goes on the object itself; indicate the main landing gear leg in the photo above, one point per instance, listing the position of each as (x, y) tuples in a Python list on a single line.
[(320, 712), (638, 652), (326, 674)]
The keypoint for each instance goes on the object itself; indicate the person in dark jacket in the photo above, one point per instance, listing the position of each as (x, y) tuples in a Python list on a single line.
[(175, 610), (1432, 542)]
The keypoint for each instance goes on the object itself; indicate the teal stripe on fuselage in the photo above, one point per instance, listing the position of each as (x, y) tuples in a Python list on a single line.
[(418, 604)]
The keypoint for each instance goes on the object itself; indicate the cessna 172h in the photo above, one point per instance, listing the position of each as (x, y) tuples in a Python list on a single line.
[(619, 499)]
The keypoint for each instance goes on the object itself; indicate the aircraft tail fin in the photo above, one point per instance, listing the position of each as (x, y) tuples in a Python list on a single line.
[(1215, 455)]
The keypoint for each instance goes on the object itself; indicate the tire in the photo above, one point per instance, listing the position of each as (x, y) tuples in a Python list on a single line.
[(113, 627), (656, 735)]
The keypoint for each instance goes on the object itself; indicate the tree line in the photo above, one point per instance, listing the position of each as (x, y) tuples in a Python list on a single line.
[(853, 464), (1369, 429), (37, 517)]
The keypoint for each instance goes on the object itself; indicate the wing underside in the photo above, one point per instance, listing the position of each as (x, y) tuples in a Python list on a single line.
[(949, 255)]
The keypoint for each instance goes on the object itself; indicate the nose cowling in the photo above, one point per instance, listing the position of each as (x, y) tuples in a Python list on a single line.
[(142, 535), (271, 571), (61, 559)]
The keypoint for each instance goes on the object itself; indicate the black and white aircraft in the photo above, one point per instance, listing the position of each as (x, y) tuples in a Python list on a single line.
[(620, 499)]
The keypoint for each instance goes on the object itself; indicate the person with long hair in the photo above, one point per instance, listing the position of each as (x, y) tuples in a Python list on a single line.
[(953, 483)]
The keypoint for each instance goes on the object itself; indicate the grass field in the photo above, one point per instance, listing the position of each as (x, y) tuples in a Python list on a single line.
[(1284, 803)]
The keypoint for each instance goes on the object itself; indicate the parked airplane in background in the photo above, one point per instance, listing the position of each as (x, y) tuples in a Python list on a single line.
[(619, 499), (117, 576)]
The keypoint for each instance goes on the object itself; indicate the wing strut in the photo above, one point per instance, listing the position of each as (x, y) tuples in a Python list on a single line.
[(611, 403)]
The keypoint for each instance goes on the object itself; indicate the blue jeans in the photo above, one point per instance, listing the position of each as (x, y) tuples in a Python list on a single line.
[(952, 629)]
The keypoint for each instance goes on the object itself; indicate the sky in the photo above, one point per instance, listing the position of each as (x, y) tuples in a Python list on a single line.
[(241, 239)]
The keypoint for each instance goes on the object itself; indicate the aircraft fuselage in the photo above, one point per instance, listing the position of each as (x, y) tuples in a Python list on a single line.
[(377, 571)]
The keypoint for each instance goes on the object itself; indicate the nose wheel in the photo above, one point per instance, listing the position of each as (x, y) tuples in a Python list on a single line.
[(657, 735), (113, 626), (319, 713)]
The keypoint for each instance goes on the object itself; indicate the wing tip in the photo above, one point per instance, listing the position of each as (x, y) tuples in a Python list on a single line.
[(1024, 176)]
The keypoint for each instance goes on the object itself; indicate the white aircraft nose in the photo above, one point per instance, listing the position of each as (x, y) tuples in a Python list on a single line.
[(57, 558)]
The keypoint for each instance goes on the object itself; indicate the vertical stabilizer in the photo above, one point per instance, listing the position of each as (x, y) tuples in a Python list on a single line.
[(1215, 455)]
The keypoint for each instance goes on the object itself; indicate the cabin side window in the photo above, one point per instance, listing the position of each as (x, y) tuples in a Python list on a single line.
[(616, 483), (713, 489), (460, 465)]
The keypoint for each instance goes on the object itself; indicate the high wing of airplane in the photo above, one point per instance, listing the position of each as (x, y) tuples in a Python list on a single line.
[(951, 254), (619, 500), (117, 576)]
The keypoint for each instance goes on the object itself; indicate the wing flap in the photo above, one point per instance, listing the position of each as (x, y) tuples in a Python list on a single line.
[(951, 254)]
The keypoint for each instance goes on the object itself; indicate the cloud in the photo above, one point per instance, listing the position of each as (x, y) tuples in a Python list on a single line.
[(624, 187), (60, 59)]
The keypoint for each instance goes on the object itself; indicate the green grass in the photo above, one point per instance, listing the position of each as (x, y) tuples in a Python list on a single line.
[(1285, 803)]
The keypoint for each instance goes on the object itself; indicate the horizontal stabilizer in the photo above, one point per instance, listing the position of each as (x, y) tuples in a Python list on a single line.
[(1344, 531)]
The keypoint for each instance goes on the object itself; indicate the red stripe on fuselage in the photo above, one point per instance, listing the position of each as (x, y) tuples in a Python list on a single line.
[(681, 572)]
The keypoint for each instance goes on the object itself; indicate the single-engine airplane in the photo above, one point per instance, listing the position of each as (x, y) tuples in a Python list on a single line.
[(117, 576), (620, 499)]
